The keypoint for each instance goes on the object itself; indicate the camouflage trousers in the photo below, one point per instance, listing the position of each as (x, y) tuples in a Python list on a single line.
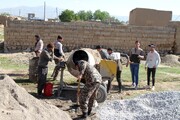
[(88, 95)]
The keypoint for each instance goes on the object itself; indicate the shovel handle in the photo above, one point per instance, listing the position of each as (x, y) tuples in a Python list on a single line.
[(78, 91)]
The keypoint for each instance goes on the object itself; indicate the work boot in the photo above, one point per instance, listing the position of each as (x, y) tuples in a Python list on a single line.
[(84, 115), (119, 90), (120, 87), (89, 111)]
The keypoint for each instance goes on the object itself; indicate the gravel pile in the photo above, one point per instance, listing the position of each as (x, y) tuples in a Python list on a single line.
[(154, 106), (171, 60), (17, 104)]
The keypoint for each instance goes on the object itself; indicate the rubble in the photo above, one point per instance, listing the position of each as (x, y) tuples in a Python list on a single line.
[(153, 106)]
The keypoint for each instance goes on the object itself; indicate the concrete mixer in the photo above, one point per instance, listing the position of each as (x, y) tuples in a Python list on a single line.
[(107, 69)]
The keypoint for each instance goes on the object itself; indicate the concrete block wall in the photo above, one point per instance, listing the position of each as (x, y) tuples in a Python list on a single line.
[(19, 35)]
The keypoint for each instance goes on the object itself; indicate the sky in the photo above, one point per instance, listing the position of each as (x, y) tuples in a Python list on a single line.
[(114, 7)]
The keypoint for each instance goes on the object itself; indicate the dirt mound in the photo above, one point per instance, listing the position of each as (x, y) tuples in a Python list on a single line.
[(154, 106), (16, 103), (171, 60)]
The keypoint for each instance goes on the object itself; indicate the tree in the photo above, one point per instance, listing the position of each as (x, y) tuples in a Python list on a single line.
[(82, 15), (76, 17), (89, 15), (67, 16), (5, 14), (98, 15), (85, 16)]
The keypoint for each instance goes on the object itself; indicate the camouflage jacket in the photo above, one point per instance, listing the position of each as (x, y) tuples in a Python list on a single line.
[(89, 72)]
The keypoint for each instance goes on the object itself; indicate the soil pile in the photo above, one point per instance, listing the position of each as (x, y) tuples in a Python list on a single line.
[(154, 106), (171, 60), (17, 104)]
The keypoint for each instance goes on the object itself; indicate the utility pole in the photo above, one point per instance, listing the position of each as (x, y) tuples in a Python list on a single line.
[(57, 12), (44, 11), (19, 12)]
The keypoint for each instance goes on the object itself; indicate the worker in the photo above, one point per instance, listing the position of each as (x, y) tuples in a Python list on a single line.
[(152, 61), (102, 52), (38, 45), (136, 55), (46, 56), (58, 52), (93, 80), (117, 58)]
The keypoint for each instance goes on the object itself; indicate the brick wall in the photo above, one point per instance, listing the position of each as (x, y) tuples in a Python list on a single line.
[(19, 35)]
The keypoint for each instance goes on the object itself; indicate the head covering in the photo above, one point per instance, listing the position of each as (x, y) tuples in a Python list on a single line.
[(152, 45)]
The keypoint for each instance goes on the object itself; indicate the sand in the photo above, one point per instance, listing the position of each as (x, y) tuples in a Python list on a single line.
[(17, 104)]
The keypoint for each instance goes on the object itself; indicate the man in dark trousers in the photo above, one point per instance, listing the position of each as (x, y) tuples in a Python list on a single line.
[(93, 80), (117, 58), (152, 61), (46, 56)]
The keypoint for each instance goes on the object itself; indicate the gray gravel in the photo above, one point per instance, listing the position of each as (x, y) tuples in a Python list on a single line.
[(154, 106)]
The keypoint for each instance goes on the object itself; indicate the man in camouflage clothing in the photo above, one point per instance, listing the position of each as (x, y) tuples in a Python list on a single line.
[(92, 83)]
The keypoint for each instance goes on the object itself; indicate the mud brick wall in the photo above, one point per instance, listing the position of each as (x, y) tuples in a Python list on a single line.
[(19, 35), (176, 25), (1, 29)]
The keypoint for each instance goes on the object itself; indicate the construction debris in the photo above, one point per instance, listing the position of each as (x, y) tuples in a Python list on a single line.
[(154, 106)]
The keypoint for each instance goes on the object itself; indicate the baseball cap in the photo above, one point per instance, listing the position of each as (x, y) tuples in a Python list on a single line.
[(152, 45)]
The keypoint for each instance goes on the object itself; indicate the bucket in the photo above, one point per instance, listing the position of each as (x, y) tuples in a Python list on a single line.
[(48, 88)]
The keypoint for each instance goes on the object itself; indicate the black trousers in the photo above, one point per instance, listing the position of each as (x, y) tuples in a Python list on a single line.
[(42, 76), (149, 71), (118, 78)]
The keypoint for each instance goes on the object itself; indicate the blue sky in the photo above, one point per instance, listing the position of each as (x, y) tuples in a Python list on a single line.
[(114, 7)]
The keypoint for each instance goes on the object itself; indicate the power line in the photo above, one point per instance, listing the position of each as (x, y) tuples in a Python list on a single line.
[(177, 17)]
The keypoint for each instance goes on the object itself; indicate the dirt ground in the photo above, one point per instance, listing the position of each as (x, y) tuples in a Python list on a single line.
[(21, 77)]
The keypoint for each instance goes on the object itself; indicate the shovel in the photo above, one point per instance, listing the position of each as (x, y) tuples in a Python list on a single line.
[(76, 106), (78, 92)]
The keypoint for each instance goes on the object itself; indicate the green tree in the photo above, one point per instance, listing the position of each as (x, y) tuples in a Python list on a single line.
[(5, 14), (101, 15), (67, 16), (97, 15), (82, 15), (76, 17), (89, 15), (85, 16)]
